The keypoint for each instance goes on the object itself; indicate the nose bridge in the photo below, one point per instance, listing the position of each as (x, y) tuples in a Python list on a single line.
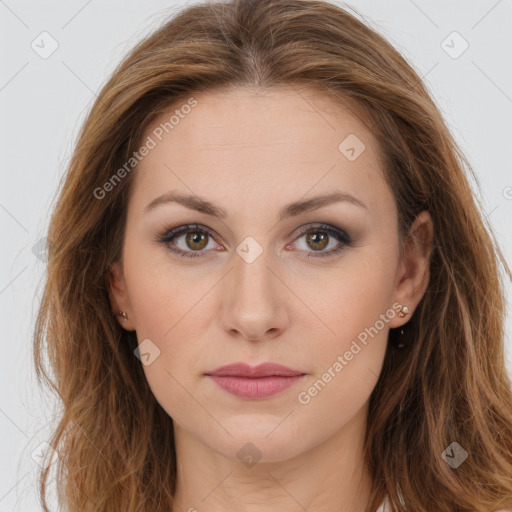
[(253, 302), (253, 280)]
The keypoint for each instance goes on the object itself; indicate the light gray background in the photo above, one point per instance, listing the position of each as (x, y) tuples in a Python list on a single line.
[(43, 102)]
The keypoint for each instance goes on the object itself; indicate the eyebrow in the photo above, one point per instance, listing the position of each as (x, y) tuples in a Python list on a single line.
[(194, 202)]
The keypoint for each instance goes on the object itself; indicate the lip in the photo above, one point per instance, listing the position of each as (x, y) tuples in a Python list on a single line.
[(261, 370), (253, 382)]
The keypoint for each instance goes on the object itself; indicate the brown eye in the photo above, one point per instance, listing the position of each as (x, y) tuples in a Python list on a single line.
[(195, 240), (312, 240), (317, 240), (189, 241)]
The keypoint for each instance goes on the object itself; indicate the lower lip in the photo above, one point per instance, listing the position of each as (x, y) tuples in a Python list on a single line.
[(254, 387)]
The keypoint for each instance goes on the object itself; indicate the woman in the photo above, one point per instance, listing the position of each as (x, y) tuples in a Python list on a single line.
[(269, 284)]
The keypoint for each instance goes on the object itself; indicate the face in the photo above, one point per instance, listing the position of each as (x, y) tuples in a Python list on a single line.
[(314, 286)]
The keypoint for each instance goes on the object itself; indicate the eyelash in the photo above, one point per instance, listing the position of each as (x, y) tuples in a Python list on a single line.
[(171, 233)]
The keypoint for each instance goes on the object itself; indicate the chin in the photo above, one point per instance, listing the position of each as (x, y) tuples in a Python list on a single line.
[(255, 445)]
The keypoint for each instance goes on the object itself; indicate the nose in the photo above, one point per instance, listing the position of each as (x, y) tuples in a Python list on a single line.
[(254, 300)]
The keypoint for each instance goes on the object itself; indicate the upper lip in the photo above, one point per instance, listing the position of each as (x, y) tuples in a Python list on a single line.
[(261, 370)]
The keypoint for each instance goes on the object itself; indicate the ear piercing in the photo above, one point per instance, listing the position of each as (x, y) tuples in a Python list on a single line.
[(404, 311), (123, 314)]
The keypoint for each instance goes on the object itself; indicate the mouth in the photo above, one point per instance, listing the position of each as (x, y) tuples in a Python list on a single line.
[(262, 381)]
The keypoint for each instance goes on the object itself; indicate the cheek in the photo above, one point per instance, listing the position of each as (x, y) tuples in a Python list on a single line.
[(160, 294), (166, 305), (172, 308), (348, 360), (354, 306), (351, 296)]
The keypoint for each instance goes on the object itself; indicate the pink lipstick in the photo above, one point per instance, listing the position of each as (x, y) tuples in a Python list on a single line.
[(252, 382)]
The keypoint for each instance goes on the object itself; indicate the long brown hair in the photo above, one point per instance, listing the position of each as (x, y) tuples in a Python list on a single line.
[(115, 442)]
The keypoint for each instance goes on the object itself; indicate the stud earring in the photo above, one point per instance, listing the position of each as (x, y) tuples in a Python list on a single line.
[(123, 314), (402, 313)]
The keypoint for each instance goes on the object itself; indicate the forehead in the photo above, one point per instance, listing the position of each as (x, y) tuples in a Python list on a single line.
[(243, 115), (247, 142)]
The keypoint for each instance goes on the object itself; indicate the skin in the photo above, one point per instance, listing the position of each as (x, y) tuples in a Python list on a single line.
[(251, 152)]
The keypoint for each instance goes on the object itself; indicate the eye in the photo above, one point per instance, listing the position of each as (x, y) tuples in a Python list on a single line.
[(196, 238), (319, 237)]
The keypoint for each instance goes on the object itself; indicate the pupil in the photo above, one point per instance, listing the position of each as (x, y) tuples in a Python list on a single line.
[(317, 238), (195, 239)]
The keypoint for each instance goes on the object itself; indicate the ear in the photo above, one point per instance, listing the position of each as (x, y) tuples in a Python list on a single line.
[(414, 269), (118, 295)]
